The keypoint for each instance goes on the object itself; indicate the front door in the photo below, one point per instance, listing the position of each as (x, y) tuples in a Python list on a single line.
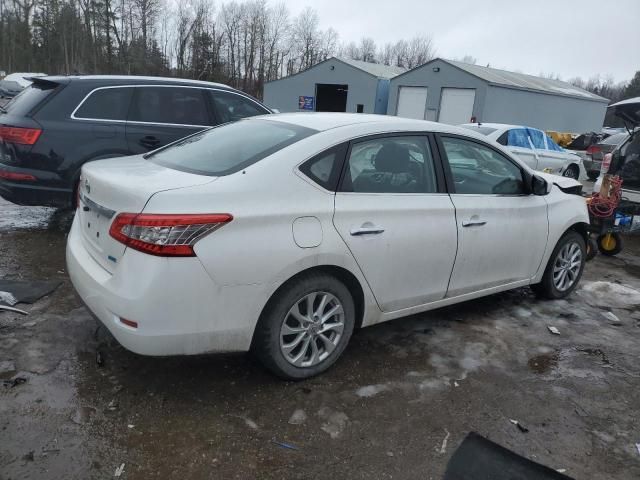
[(396, 221), (502, 230), (162, 114)]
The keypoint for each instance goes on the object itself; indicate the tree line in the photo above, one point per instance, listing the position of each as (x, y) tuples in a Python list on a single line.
[(242, 44)]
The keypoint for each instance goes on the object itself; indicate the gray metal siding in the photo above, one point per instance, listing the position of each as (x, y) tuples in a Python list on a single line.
[(448, 77), (283, 94), (539, 110)]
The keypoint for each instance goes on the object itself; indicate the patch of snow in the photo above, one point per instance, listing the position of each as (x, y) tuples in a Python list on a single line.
[(298, 417), (371, 390), (610, 295)]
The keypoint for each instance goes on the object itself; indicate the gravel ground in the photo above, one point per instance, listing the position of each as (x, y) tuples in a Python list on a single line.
[(397, 405)]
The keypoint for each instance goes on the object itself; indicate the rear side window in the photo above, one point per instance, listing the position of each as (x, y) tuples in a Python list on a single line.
[(230, 107), (172, 105), (229, 148), (105, 104), (518, 137), (324, 168), (30, 98)]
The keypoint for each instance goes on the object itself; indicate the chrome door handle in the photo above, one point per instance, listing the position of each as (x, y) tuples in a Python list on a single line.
[(366, 231), (474, 223)]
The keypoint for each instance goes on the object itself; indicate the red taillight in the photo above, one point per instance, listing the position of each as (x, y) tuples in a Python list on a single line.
[(20, 177), (606, 163), (129, 323), (593, 149), (19, 135), (171, 235)]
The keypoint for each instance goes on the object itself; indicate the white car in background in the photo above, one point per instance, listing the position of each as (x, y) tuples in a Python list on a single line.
[(22, 78), (533, 147), (280, 234)]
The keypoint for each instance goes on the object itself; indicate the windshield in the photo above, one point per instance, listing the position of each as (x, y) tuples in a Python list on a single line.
[(229, 148), (480, 129)]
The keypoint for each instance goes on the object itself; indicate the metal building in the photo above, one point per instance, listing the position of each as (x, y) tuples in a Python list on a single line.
[(335, 85), (455, 92)]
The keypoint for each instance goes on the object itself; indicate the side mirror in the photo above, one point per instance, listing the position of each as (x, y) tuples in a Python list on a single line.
[(539, 185)]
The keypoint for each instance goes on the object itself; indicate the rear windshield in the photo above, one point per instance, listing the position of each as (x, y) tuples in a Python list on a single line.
[(29, 98), (616, 139), (229, 148), (482, 130)]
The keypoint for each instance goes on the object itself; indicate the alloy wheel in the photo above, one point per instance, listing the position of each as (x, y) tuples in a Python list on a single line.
[(312, 329), (566, 267)]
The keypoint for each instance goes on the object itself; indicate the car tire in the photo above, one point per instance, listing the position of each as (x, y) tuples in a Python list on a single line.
[(572, 171), (610, 244), (592, 248), (553, 285), (280, 326)]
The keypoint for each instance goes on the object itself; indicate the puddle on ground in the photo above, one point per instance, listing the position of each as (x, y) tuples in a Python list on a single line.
[(543, 363)]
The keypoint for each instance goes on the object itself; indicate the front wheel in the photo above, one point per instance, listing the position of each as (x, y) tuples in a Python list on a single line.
[(572, 171), (564, 268), (305, 327)]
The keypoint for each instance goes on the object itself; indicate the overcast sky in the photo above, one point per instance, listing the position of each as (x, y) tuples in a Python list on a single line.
[(567, 37)]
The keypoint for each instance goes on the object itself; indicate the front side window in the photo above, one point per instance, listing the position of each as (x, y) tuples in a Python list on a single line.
[(173, 105), (390, 165), (478, 169), (229, 148), (106, 104), (231, 107)]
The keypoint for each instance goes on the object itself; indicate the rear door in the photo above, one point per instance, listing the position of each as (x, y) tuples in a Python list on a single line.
[(161, 114), (553, 159), (456, 105), (519, 143), (412, 102), (397, 220), (502, 230)]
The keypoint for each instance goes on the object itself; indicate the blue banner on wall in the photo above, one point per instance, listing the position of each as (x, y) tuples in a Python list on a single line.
[(305, 103)]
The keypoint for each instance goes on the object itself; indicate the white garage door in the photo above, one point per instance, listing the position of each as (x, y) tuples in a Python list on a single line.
[(412, 102), (456, 105)]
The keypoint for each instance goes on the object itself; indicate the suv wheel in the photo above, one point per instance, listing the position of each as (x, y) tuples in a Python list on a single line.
[(572, 171), (305, 327)]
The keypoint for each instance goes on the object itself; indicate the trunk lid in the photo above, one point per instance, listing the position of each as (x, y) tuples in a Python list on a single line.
[(628, 110), (109, 187)]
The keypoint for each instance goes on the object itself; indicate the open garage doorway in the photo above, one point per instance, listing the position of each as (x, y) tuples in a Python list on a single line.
[(331, 97)]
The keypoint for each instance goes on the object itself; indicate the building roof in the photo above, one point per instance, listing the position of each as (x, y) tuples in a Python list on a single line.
[(527, 82), (375, 69)]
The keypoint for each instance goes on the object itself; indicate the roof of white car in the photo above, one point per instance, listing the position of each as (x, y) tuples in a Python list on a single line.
[(325, 121)]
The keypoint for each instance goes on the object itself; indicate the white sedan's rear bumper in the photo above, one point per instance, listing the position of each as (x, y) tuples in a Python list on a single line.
[(178, 307)]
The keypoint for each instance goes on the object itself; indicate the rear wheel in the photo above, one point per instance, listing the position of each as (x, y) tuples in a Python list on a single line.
[(572, 171), (610, 244), (592, 248), (564, 269), (305, 327)]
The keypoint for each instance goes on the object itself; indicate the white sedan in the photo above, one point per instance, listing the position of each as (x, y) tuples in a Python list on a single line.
[(282, 234), (533, 147)]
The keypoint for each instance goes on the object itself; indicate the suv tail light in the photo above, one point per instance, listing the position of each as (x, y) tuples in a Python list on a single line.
[(606, 163), (593, 149), (19, 135), (171, 235)]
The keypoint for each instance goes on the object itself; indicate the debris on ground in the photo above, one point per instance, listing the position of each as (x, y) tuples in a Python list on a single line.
[(561, 470), (638, 447), (288, 446), (119, 471), (521, 427), (113, 405), (13, 309), (8, 298), (250, 423), (443, 446), (612, 317), (99, 358), (335, 422), (553, 330), (298, 417), (370, 390), (14, 382), (29, 291), (389, 454)]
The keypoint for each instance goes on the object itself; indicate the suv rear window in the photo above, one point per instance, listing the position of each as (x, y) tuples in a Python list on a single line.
[(30, 98), (229, 148)]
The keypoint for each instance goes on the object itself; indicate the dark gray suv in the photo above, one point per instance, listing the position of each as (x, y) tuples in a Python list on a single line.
[(53, 127)]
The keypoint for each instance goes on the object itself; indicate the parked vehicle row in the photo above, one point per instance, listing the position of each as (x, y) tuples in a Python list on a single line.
[(280, 234), (58, 124), (533, 147)]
